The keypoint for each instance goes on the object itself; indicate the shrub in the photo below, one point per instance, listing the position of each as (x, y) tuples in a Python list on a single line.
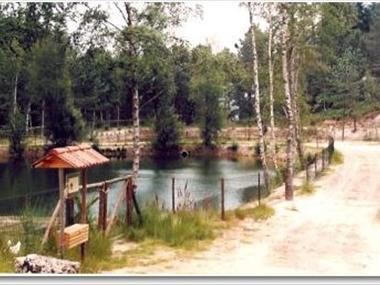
[(337, 158), (261, 212), (307, 188)]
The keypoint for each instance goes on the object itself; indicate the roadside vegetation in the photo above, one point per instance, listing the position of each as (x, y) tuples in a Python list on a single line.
[(337, 157), (307, 188), (258, 213)]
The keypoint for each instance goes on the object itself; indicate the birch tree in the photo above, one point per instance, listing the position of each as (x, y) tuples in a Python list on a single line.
[(269, 11), (256, 92), (288, 104), (142, 26)]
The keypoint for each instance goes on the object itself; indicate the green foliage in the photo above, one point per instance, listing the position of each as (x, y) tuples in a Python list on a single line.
[(182, 229), (207, 86), (50, 84), (167, 129), (17, 136)]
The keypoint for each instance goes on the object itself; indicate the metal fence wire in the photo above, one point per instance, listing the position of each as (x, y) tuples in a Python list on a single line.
[(175, 193)]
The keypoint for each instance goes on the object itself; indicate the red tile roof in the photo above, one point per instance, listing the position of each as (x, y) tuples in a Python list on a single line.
[(81, 156)]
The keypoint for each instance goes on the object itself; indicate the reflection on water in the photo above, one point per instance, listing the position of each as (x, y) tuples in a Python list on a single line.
[(200, 177)]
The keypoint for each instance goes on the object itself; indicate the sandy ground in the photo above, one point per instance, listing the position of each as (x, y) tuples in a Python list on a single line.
[(335, 231)]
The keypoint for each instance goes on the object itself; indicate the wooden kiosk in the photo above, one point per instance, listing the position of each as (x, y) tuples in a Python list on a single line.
[(78, 157)]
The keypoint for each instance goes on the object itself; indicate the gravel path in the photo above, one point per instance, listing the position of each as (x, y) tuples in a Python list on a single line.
[(335, 231)]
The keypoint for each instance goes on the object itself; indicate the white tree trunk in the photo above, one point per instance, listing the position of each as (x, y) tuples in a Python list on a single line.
[(270, 69), (136, 134), (256, 91), (293, 71), (289, 109)]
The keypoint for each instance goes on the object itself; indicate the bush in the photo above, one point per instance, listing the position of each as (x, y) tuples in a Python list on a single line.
[(259, 213), (337, 158), (167, 129), (307, 188)]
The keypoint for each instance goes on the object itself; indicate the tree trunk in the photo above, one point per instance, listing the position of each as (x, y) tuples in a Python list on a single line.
[(256, 90), (15, 98), (101, 119), (27, 117), (93, 122), (43, 119), (136, 134), (271, 112), (118, 116), (289, 110), (294, 71)]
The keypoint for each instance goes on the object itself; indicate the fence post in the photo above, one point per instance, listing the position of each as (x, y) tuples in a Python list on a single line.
[(102, 219), (128, 198), (101, 208), (222, 198), (173, 195), (105, 208), (323, 159), (258, 187), (307, 172), (69, 211), (315, 165)]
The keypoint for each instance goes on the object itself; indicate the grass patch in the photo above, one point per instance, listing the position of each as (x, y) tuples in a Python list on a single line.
[(307, 188), (98, 253), (337, 158), (182, 229), (259, 213), (6, 260)]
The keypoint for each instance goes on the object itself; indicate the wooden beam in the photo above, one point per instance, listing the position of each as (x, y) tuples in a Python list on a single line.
[(61, 209), (51, 223)]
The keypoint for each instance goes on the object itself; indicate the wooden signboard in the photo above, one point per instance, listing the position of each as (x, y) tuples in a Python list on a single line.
[(74, 235), (72, 183)]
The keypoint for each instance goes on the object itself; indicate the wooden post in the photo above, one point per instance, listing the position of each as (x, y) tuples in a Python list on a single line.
[(100, 212), (102, 218), (323, 159), (173, 195), (61, 210), (258, 188), (128, 196), (222, 198), (69, 211), (105, 208), (315, 164), (83, 218)]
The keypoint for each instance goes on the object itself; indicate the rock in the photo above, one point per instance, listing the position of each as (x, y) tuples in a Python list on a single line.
[(34, 263)]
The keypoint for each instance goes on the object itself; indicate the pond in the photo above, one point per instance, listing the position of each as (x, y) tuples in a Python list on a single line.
[(199, 178)]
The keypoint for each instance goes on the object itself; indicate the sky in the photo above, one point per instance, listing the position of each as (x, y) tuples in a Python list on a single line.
[(222, 25)]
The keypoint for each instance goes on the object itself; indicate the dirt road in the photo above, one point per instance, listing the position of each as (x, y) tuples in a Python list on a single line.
[(335, 231)]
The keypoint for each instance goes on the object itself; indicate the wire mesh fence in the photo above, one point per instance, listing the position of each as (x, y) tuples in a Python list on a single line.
[(177, 193)]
